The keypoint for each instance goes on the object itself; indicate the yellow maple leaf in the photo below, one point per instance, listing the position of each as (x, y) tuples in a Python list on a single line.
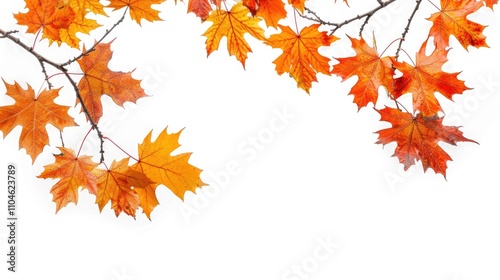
[(173, 171), (233, 24), (139, 9), (300, 55)]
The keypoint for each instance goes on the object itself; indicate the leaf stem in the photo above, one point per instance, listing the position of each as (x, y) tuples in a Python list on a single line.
[(83, 141), (121, 149)]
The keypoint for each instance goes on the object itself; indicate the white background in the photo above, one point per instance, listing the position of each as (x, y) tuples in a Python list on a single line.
[(318, 178)]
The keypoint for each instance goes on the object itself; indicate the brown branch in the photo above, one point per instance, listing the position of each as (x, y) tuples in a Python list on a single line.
[(42, 60), (368, 15), (44, 71), (108, 31), (407, 28)]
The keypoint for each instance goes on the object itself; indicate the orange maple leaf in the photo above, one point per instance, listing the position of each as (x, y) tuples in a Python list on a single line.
[(300, 55), (139, 9), (452, 20), (93, 6), (272, 11), (298, 4), (372, 72), (201, 8), (426, 78), (345, 1), (98, 79), (417, 138), (233, 24), (60, 20), (490, 3), (74, 172), (33, 113), (119, 184), (173, 171)]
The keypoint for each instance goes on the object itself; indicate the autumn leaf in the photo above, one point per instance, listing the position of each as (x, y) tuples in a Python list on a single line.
[(85, 6), (417, 138), (345, 1), (33, 113), (452, 20), (98, 80), (173, 171), (426, 78), (272, 11), (201, 8), (74, 172), (298, 4), (371, 70), (59, 20), (139, 9), (490, 3), (233, 24), (300, 55), (119, 185)]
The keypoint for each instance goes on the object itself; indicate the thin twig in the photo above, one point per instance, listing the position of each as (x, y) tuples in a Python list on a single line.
[(407, 28), (364, 24), (44, 71), (85, 110), (61, 68), (8, 33), (358, 17), (62, 139), (108, 31)]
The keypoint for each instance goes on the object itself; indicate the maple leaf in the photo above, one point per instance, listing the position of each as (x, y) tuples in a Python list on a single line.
[(201, 8), (33, 113), (345, 1), (272, 11), (298, 4), (173, 171), (417, 138), (83, 6), (372, 72), (490, 3), (139, 9), (98, 79), (233, 24), (119, 184), (300, 55), (74, 172), (59, 20), (426, 78), (452, 20)]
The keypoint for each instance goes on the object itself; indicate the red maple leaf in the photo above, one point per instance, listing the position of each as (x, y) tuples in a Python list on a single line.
[(417, 138), (425, 79), (372, 72)]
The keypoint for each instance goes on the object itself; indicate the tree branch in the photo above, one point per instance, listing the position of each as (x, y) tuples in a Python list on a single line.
[(42, 60), (407, 28), (368, 15), (108, 31)]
